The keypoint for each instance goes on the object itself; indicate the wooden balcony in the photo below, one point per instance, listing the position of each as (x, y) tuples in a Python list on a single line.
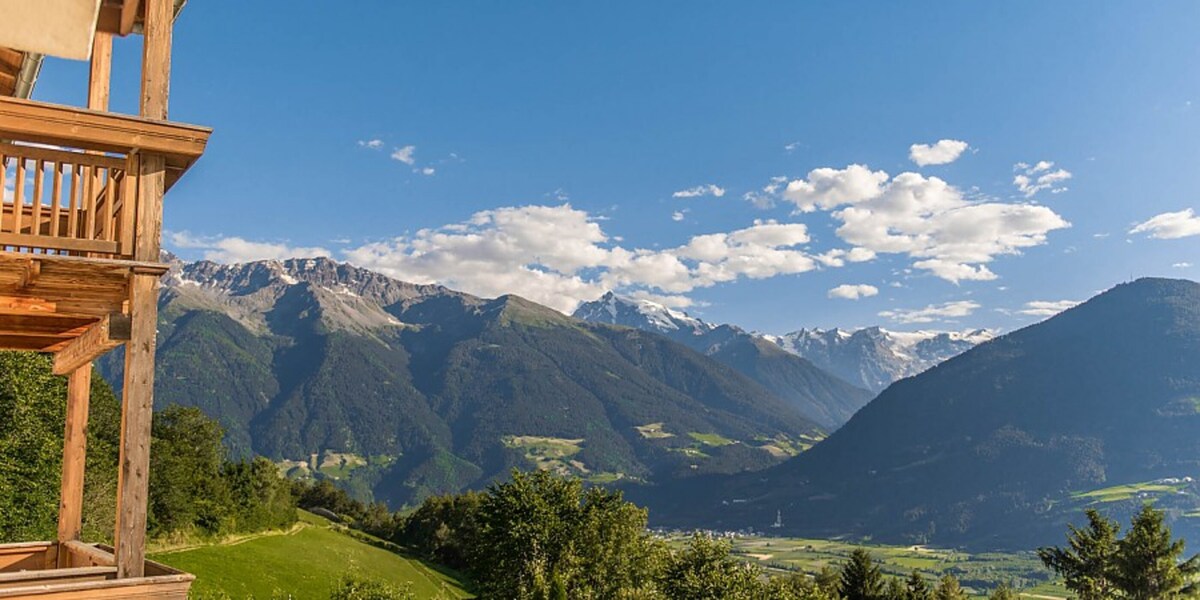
[(74, 182), (74, 570), (71, 176)]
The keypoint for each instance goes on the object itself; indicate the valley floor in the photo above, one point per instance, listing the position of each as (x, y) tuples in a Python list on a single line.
[(304, 563), (979, 573)]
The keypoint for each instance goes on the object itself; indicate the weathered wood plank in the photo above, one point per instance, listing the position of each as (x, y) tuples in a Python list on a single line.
[(72, 127), (70, 507), (106, 334), (137, 407)]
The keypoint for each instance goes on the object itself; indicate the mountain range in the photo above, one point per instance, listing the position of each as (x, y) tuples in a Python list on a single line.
[(1002, 445), (400, 390), (874, 357), (825, 398)]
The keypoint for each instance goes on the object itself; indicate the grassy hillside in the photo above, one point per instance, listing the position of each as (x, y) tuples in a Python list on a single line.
[(305, 563)]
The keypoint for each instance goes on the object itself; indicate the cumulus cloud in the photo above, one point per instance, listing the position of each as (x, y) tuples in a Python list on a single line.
[(709, 189), (406, 155), (559, 255), (1039, 177), (1170, 225), (1182, 265), (766, 197), (940, 153), (678, 215), (1046, 308), (932, 312), (374, 144), (924, 218), (853, 292), (236, 249), (427, 171)]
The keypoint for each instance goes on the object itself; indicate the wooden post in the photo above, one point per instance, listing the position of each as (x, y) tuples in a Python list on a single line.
[(70, 510), (138, 402), (100, 76)]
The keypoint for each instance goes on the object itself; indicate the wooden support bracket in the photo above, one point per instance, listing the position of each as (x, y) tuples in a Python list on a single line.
[(106, 334), (29, 273)]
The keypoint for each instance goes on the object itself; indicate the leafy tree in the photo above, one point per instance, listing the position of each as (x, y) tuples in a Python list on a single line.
[(1146, 565), (861, 578), (1086, 565), (828, 580), (1003, 592), (356, 587), (949, 589), (186, 457), (706, 571), (540, 533), (916, 587), (32, 418), (795, 587)]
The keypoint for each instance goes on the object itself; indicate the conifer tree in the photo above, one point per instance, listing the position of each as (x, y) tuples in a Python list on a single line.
[(1146, 565), (894, 590), (861, 578), (1086, 565), (949, 589), (1003, 592), (916, 587)]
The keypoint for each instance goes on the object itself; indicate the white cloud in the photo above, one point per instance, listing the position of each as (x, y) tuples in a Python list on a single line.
[(1046, 308), (926, 218), (559, 255), (853, 292), (236, 249), (1033, 179), (406, 155), (826, 188), (765, 198), (710, 189), (1182, 265), (791, 147), (427, 171), (932, 312), (678, 215), (1170, 225), (374, 144), (941, 153)]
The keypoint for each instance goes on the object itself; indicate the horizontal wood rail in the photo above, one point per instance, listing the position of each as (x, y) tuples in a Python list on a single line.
[(71, 127)]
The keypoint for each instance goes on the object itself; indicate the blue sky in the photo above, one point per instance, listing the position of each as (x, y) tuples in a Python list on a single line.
[(538, 148)]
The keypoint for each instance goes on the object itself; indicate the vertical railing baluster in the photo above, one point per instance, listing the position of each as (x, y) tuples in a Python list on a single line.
[(129, 186), (73, 208), (56, 199), (110, 198), (35, 228), (89, 202), (3, 181), (19, 195)]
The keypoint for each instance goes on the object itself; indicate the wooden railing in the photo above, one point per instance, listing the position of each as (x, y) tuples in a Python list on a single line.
[(67, 202), (69, 176)]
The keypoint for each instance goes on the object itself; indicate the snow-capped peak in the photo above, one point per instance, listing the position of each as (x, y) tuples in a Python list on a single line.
[(638, 312)]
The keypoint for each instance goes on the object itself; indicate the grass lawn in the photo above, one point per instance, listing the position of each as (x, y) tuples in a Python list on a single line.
[(304, 563), (711, 439), (1118, 493)]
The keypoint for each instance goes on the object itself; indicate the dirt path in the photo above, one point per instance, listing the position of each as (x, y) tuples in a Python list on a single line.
[(232, 540)]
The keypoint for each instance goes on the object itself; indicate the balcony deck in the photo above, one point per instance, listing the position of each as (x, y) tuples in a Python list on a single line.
[(75, 571), (72, 182)]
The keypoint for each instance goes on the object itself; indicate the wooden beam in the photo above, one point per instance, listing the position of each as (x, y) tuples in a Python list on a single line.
[(100, 76), (133, 476), (74, 127), (108, 333), (70, 507), (156, 58), (129, 15)]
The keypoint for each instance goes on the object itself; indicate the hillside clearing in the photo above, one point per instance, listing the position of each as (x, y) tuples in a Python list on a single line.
[(305, 563)]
